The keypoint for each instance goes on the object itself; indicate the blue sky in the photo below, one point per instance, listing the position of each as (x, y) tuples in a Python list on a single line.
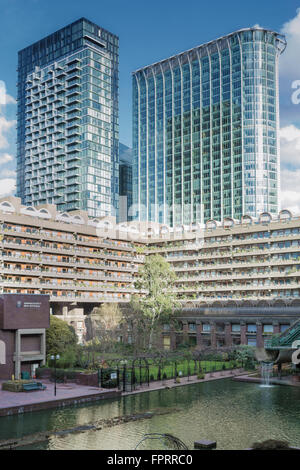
[(150, 31)]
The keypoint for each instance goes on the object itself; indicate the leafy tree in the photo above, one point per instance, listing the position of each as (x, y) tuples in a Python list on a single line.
[(106, 321), (60, 337), (246, 354), (157, 300)]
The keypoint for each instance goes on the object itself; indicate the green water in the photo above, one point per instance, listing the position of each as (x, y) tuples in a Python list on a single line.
[(234, 414)]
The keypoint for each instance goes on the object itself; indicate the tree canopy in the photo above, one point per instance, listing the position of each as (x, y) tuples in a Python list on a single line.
[(59, 336), (157, 300)]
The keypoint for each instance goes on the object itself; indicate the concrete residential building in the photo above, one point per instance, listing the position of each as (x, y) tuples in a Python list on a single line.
[(238, 286), (68, 138), (68, 256), (206, 131)]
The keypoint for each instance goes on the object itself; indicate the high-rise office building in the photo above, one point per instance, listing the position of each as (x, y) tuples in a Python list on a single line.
[(125, 180), (68, 138), (206, 131)]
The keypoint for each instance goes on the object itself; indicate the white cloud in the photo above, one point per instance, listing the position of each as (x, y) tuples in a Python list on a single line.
[(290, 145), (5, 158), (5, 127), (7, 186)]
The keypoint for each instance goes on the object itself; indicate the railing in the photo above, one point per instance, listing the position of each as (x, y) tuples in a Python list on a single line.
[(286, 338)]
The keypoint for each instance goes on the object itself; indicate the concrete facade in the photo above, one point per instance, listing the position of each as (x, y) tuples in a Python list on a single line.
[(23, 323)]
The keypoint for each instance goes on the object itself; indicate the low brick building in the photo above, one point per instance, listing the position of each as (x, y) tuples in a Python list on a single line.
[(23, 322)]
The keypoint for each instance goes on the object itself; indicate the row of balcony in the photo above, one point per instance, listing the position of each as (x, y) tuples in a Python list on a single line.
[(74, 238), (74, 250), (77, 263)]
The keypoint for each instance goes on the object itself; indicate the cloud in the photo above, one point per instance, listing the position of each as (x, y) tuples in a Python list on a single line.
[(10, 99), (290, 194), (289, 61), (7, 186), (5, 126), (5, 158), (8, 173), (290, 145)]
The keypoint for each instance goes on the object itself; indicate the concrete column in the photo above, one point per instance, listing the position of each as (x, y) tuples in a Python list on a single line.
[(185, 331), (43, 346), (259, 335), (228, 337), (276, 328), (17, 355), (172, 339), (213, 338), (243, 333), (199, 334)]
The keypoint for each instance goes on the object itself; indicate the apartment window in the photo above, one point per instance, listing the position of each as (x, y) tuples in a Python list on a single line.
[(251, 342), (283, 328), (235, 328), (268, 329), (206, 328), (251, 328), (192, 327), (167, 342)]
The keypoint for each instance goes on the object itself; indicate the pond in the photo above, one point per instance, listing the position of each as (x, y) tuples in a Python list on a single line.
[(235, 414)]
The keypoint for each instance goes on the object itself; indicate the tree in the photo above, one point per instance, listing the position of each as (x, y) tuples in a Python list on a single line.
[(60, 337), (105, 324), (156, 301), (246, 354)]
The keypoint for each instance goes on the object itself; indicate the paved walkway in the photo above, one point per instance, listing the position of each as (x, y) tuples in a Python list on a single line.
[(71, 393), (42, 399)]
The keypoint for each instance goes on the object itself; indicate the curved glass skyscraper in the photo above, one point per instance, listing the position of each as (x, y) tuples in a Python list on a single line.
[(206, 131)]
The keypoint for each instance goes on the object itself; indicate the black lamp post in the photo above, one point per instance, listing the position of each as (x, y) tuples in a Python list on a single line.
[(55, 358)]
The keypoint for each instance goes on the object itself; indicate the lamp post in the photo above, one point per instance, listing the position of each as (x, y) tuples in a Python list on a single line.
[(55, 358)]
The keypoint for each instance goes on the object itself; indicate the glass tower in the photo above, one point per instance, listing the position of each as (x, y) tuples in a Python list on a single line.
[(206, 131), (68, 137), (125, 182)]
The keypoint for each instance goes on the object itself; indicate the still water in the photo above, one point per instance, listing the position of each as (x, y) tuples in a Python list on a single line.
[(234, 414)]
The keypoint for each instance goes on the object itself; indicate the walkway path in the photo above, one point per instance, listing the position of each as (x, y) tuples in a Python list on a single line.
[(66, 394), (71, 393)]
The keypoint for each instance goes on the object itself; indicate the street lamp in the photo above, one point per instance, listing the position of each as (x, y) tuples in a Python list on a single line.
[(55, 358)]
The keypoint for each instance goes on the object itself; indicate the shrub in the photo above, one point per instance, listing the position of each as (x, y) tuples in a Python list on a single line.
[(165, 376), (177, 380), (200, 376), (151, 377)]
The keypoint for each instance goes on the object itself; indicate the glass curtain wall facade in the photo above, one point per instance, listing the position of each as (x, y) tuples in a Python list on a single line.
[(68, 137), (125, 183), (205, 131)]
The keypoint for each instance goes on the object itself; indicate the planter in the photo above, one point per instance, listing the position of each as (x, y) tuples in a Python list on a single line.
[(87, 379)]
